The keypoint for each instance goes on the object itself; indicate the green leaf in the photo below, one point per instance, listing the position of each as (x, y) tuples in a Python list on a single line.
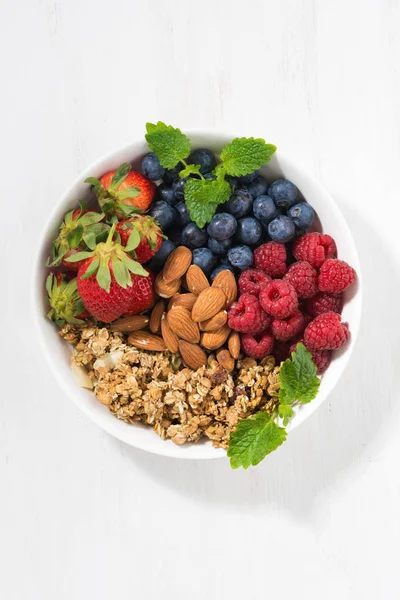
[(253, 439), (82, 204), (75, 236), (201, 213), (90, 240), (285, 412), (121, 273), (133, 241), (130, 192), (298, 377), (133, 266), (95, 183), (92, 268), (244, 155), (108, 206), (288, 379), (119, 176), (79, 256), (202, 197), (189, 170), (103, 277), (49, 283), (91, 218), (169, 143)]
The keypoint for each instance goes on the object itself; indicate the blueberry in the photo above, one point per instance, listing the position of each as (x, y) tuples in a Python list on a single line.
[(157, 262), (222, 226), (284, 193), (193, 237), (239, 204), (166, 193), (178, 187), (151, 167), (240, 257), (234, 182), (203, 157), (281, 229), (302, 215), (223, 260), (209, 176), (204, 258), (219, 248), (264, 208), (164, 213), (258, 186), (249, 231), (248, 178), (183, 217), (219, 269), (174, 235), (171, 174)]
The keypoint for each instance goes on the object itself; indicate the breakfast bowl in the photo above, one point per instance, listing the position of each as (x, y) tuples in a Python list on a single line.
[(58, 353)]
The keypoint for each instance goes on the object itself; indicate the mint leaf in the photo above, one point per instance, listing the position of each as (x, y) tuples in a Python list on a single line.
[(253, 439), (285, 412), (169, 143), (190, 170), (244, 155), (202, 197), (298, 378), (201, 213)]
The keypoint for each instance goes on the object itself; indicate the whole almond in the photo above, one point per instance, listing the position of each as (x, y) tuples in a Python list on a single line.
[(164, 289), (127, 324), (215, 322), (177, 264), (147, 341), (225, 280), (155, 318), (181, 323), (196, 280), (170, 338), (184, 300), (234, 344), (208, 304), (225, 359), (212, 340), (193, 356)]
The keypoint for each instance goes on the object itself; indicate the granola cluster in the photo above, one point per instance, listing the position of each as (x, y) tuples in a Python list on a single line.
[(158, 390)]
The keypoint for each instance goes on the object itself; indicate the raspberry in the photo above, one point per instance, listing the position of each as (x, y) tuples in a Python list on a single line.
[(304, 279), (315, 248), (257, 347), (247, 316), (326, 332), (252, 280), (281, 351), (321, 358), (286, 330), (335, 276), (322, 303), (279, 299), (271, 258)]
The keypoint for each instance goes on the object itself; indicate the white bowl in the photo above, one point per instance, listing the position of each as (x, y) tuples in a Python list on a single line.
[(58, 352)]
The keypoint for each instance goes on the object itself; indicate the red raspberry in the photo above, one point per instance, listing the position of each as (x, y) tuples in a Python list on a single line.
[(281, 351), (335, 276), (322, 303), (304, 279), (271, 258), (247, 316), (286, 330), (326, 332), (279, 299), (315, 248), (321, 358), (252, 280), (257, 347)]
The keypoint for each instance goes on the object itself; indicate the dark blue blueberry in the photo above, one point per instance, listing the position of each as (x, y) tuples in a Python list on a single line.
[(204, 258), (151, 167), (248, 178), (233, 181), (258, 187), (203, 157), (219, 269), (302, 215), (209, 176), (174, 235), (239, 204), (249, 231), (264, 208), (164, 213), (171, 174), (284, 193), (224, 260), (240, 257), (222, 226), (183, 217), (193, 237), (281, 229), (219, 248), (179, 188), (157, 262), (166, 193)]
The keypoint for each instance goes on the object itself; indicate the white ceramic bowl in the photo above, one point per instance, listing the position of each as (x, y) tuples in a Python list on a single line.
[(58, 352)]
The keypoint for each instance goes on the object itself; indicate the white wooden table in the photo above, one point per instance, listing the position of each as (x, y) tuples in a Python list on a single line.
[(83, 516)]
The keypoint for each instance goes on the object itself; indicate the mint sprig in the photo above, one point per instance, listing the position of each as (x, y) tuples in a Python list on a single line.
[(169, 143), (298, 377)]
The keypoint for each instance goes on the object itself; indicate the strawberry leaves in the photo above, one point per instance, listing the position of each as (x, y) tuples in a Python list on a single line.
[(65, 302)]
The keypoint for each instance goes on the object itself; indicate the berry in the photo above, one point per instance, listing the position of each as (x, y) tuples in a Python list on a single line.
[(315, 248), (323, 302), (151, 167), (234, 182), (281, 351), (257, 347), (166, 193), (258, 187), (285, 330), (219, 269), (164, 213), (65, 303), (326, 332), (271, 258), (239, 204), (219, 248), (158, 260), (204, 258), (209, 176), (249, 231), (284, 193), (240, 257), (302, 215), (247, 316), (321, 358), (222, 226), (125, 192), (149, 232), (335, 276), (182, 214), (279, 299), (171, 174), (204, 158), (264, 209), (252, 281), (193, 237), (178, 187), (281, 229), (248, 178), (304, 279)]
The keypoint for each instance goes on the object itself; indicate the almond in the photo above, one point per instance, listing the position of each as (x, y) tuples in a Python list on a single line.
[(215, 322), (155, 318), (193, 356), (225, 359), (212, 340), (209, 302), (170, 338), (164, 289), (225, 280), (177, 264), (181, 323), (234, 344), (147, 341), (196, 280), (127, 324), (184, 300)]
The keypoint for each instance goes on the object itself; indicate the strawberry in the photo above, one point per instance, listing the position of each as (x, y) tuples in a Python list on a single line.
[(149, 232), (123, 192), (65, 302)]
